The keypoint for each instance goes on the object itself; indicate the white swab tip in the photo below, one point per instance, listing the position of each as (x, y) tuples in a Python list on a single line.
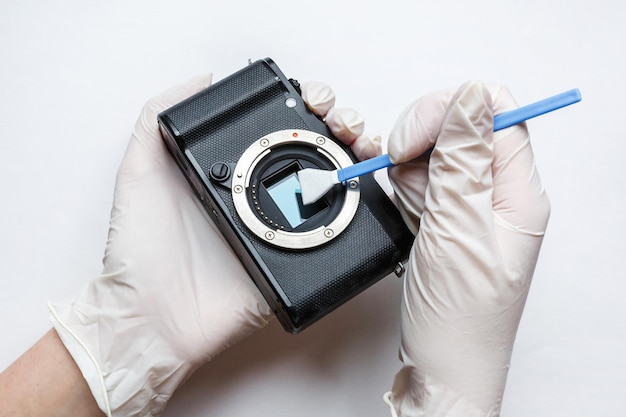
[(314, 183)]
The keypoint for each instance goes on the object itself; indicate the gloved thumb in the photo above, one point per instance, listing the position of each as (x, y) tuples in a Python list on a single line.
[(146, 150), (519, 197), (460, 178), (448, 119), (417, 128)]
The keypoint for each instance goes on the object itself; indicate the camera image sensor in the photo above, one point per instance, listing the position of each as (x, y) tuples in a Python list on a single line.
[(284, 188)]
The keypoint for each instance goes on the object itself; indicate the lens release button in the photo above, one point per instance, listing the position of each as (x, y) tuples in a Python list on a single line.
[(219, 171)]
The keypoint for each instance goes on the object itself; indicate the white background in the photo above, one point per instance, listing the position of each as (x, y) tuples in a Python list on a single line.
[(75, 74)]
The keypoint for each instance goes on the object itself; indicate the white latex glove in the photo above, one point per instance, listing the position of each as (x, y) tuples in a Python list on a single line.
[(346, 124), (172, 294), (482, 212)]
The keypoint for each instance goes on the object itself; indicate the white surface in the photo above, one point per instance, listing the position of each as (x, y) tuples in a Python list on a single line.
[(73, 78)]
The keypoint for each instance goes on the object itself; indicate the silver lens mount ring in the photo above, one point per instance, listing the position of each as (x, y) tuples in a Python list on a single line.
[(261, 149)]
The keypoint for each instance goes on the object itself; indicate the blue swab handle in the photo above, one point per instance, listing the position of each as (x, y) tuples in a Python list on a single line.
[(364, 167), (500, 121), (513, 117)]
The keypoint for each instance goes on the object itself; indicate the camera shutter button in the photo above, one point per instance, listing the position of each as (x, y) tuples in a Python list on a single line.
[(219, 171)]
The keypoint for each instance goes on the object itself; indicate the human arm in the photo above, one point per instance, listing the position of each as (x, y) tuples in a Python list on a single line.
[(46, 381)]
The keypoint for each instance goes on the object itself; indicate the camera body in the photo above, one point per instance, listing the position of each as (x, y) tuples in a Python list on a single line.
[(240, 144)]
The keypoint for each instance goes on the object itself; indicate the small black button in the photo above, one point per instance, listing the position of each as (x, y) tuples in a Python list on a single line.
[(296, 85), (219, 171)]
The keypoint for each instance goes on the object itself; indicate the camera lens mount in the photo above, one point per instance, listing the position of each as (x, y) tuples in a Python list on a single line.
[(265, 190)]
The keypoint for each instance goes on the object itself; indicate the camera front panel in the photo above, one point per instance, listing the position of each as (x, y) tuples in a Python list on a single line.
[(215, 127)]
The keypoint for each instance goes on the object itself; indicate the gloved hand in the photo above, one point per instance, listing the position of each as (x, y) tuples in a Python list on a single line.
[(482, 212), (172, 294)]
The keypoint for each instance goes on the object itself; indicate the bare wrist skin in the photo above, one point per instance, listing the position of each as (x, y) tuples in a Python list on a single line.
[(45, 381)]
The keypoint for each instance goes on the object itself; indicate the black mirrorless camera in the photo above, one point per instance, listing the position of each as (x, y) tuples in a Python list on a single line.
[(240, 144)]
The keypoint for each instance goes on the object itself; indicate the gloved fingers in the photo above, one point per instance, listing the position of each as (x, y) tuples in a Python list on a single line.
[(365, 147), (519, 197), (417, 128), (415, 132), (409, 181), (146, 145), (346, 124), (319, 97), (459, 195)]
